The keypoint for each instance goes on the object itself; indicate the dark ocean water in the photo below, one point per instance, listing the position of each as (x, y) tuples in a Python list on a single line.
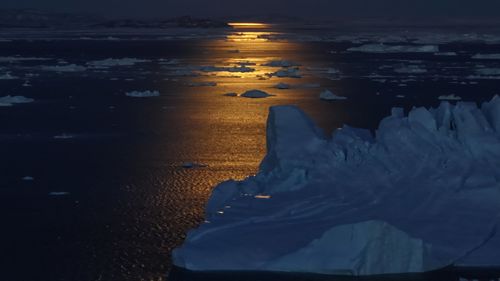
[(124, 200)]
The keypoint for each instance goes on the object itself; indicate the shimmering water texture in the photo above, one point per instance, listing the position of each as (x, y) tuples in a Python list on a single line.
[(100, 179)]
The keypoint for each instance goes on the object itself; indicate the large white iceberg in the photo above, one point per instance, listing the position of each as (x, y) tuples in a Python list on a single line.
[(419, 195)]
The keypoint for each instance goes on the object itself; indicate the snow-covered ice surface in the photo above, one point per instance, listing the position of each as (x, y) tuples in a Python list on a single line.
[(420, 195)]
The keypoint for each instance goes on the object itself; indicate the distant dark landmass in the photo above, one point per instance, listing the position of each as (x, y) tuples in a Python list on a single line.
[(32, 18), (185, 21)]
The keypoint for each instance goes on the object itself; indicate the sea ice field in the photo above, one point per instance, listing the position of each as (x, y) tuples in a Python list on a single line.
[(113, 140)]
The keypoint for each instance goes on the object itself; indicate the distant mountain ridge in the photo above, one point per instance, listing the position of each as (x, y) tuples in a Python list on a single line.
[(32, 18)]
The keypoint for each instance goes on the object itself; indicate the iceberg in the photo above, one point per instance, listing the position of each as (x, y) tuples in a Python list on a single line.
[(192, 165), (486, 56), (281, 63), (488, 71), (328, 95), (449, 97), (64, 136), (288, 72), (255, 94), (446, 54), (116, 62), (382, 48), (11, 100), (8, 76), (413, 69), (241, 68), (420, 194), (64, 68), (143, 94), (282, 86)]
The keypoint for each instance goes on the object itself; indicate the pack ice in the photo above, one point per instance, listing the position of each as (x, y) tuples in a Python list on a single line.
[(421, 194)]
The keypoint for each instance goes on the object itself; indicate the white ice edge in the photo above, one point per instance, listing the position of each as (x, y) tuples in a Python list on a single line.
[(420, 195)]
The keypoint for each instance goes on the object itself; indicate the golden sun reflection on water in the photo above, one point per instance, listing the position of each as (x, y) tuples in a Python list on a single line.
[(248, 25)]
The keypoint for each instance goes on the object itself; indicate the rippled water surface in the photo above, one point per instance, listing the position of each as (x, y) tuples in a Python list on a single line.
[(123, 200)]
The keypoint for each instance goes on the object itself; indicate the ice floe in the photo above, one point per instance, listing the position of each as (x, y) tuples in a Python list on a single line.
[(486, 56), (287, 72), (142, 94), (64, 136), (227, 69), (280, 63), (488, 71), (413, 69), (383, 48), (451, 97), (64, 68), (192, 165), (11, 100), (255, 94), (446, 54), (282, 86), (109, 62), (58, 193), (16, 59), (421, 194), (328, 95), (8, 76)]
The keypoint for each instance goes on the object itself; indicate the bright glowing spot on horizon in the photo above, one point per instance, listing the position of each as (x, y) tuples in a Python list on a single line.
[(247, 25)]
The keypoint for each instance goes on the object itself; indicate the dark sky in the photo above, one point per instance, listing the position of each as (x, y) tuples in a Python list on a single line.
[(323, 9)]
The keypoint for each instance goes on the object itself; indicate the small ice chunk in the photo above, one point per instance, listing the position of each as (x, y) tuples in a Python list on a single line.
[(486, 56), (445, 54), (28, 178), (64, 136), (10, 100), (142, 94), (192, 165), (58, 193), (400, 96), (282, 86), (231, 94), (449, 97), (488, 71), (281, 63), (255, 94), (64, 68), (8, 76), (328, 95), (382, 48), (116, 62), (288, 72), (413, 69)]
